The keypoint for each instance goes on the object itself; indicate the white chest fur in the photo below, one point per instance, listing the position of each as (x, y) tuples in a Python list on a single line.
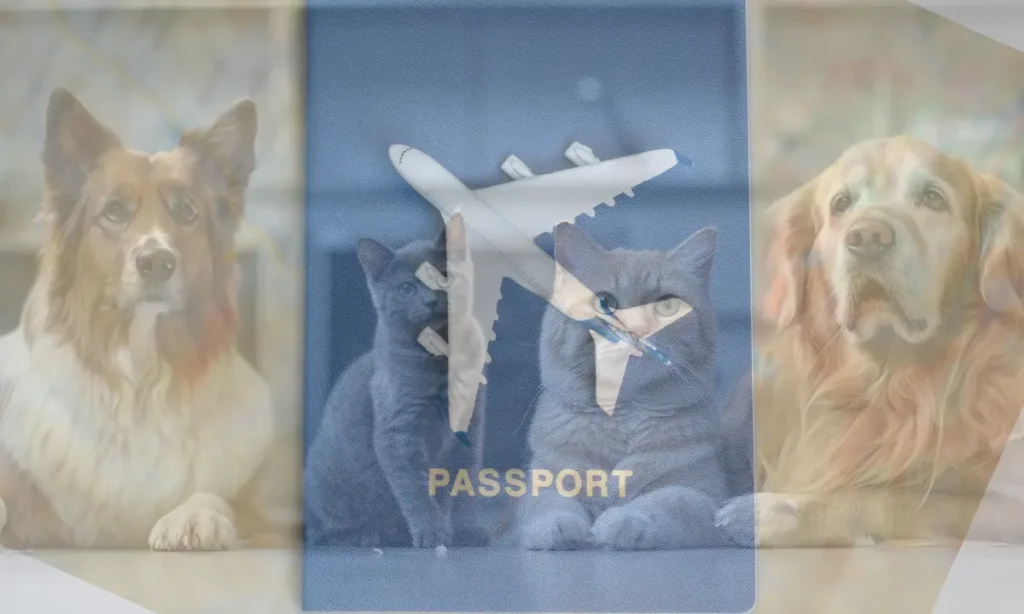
[(111, 462)]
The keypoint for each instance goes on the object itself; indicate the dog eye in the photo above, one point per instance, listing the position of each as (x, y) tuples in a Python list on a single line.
[(116, 211), (407, 288), (934, 199), (841, 202), (605, 303), (183, 211)]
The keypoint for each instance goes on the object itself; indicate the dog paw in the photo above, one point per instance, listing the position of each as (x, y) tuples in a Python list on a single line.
[(196, 525), (621, 529), (760, 519), (471, 536), (429, 535), (559, 531)]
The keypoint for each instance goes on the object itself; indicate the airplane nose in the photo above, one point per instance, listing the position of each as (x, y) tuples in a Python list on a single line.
[(395, 152)]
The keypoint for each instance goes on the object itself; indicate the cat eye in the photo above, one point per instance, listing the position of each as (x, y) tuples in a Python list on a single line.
[(407, 288), (115, 211), (183, 210), (605, 303), (668, 306)]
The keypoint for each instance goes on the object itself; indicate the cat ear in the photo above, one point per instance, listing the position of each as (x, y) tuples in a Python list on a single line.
[(697, 253), (441, 241), (574, 248), (374, 258)]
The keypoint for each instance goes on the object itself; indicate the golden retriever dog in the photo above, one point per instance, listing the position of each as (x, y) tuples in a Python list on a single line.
[(127, 418), (891, 373)]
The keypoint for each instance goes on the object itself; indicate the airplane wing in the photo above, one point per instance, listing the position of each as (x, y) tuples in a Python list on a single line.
[(470, 331), (473, 286), (536, 204), (479, 295), (610, 361)]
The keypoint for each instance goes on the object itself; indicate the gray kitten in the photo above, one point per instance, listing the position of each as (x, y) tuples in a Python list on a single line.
[(385, 424), (664, 426)]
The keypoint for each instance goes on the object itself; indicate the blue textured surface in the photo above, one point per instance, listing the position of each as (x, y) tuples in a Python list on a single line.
[(470, 87), (495, 579)]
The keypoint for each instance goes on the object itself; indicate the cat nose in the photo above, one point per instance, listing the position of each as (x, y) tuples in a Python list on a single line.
[(642, 323), (644, 329)]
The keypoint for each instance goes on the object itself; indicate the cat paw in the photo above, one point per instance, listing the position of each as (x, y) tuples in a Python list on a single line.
[(471, 536), (201, 523), (344, 539), (761, 519), (429, 536), (362, 540), (618, 528), (560, 531)]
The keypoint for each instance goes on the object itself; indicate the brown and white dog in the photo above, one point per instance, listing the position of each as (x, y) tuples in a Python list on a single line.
[(126, 415), (891, 374)]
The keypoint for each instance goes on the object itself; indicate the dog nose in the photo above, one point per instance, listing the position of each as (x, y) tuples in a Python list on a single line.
[(157, 265), (870, 238)]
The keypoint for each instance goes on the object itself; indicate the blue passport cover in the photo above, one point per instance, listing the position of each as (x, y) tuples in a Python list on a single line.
[(470, 84)]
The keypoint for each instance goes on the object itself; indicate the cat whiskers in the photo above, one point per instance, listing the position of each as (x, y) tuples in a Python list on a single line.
[(641, 345), (529, 408)]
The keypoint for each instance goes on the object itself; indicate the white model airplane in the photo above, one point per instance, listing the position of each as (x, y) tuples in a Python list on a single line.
[(503, 221)]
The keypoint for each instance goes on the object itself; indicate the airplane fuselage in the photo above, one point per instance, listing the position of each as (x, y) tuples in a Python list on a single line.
[(535, 269)]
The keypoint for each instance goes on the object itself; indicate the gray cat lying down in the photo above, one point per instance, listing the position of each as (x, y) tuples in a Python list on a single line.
[(662, 434)]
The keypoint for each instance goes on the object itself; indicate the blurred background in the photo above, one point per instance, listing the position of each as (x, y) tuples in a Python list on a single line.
[(825, 74), (150, 70)]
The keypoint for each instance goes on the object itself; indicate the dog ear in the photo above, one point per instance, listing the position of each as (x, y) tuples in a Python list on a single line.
[(226, 155), (75, 142), (792, 239), (1001, 228)]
